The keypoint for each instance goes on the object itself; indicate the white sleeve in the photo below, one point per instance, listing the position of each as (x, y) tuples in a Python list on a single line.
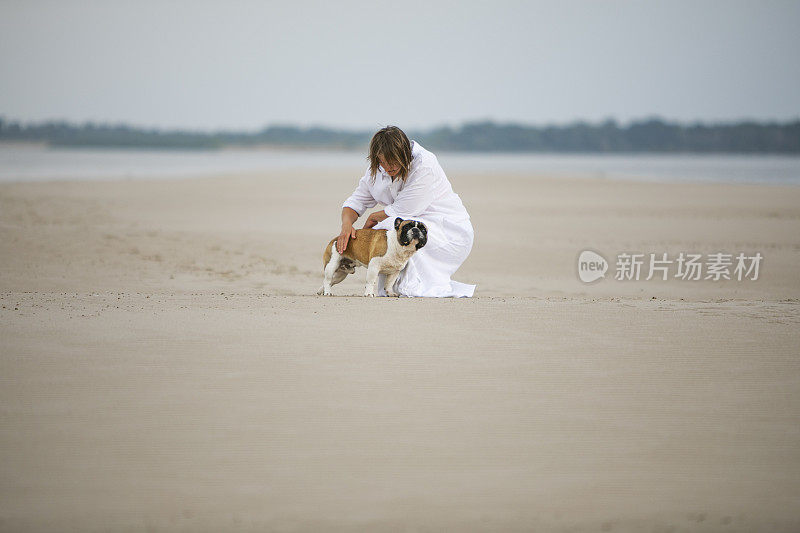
[(361, 199), (415, 197)]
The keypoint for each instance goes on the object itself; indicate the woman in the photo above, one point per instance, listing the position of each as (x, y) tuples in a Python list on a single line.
[(409, 181)]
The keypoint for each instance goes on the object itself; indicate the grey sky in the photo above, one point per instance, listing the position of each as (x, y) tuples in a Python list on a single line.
[(243, 65)]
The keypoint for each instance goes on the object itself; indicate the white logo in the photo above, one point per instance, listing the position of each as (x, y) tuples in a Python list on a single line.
[(591, 266), (689, 266)]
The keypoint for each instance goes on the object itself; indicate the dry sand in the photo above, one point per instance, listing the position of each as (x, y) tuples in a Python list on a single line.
[(166, 366)]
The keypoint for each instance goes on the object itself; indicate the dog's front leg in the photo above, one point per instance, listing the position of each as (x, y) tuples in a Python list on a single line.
[(372, 277), (389, 283)]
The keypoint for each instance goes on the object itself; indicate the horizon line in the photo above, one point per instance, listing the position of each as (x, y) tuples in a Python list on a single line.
[(467, 122)]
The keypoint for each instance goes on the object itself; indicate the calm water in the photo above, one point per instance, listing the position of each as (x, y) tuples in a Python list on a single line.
[(33, 163)]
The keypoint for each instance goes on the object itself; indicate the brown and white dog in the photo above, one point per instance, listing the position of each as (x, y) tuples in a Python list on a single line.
[(381, 251)]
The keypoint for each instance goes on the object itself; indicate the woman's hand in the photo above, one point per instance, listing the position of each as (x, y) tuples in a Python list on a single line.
[(374, 218), (344, 236)]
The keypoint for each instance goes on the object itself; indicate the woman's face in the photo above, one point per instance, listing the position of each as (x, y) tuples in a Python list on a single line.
[(392, 169)]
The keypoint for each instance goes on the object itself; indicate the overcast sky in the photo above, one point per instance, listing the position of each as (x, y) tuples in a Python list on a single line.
[(243, 65)]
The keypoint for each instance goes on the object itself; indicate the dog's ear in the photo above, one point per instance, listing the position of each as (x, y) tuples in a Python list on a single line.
[(397, 223)]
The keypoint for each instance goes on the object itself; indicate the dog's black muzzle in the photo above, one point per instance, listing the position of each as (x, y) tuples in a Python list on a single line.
[(421, 235)]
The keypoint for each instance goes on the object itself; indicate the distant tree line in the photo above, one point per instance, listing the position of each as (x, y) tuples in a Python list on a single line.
[(650, 135)]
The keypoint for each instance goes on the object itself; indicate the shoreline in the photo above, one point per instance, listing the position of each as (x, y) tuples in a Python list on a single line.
[(40, 164)]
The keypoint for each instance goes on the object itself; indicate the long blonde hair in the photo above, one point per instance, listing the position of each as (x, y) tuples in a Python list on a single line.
[(391, 143)]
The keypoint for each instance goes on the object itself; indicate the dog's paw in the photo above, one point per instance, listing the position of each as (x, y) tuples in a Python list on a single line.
[(392, 294), (369, 294), (321, 291)]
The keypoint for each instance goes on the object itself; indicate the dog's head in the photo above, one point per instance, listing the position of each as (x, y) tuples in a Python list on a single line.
[(409, 230)]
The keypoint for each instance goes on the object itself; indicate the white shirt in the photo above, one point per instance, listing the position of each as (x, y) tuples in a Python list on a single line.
[(426, 191)]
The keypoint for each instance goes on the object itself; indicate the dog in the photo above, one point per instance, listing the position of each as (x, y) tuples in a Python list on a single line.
[(381, 251)]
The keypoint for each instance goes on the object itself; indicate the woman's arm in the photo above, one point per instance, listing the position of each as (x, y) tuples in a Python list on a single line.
[(374, 218), (349, 216), (361, 199), (353, 207), (415, 197), (412, 201)]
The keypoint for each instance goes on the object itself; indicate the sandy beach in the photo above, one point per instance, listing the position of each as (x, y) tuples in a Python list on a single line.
[(166, 365)]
